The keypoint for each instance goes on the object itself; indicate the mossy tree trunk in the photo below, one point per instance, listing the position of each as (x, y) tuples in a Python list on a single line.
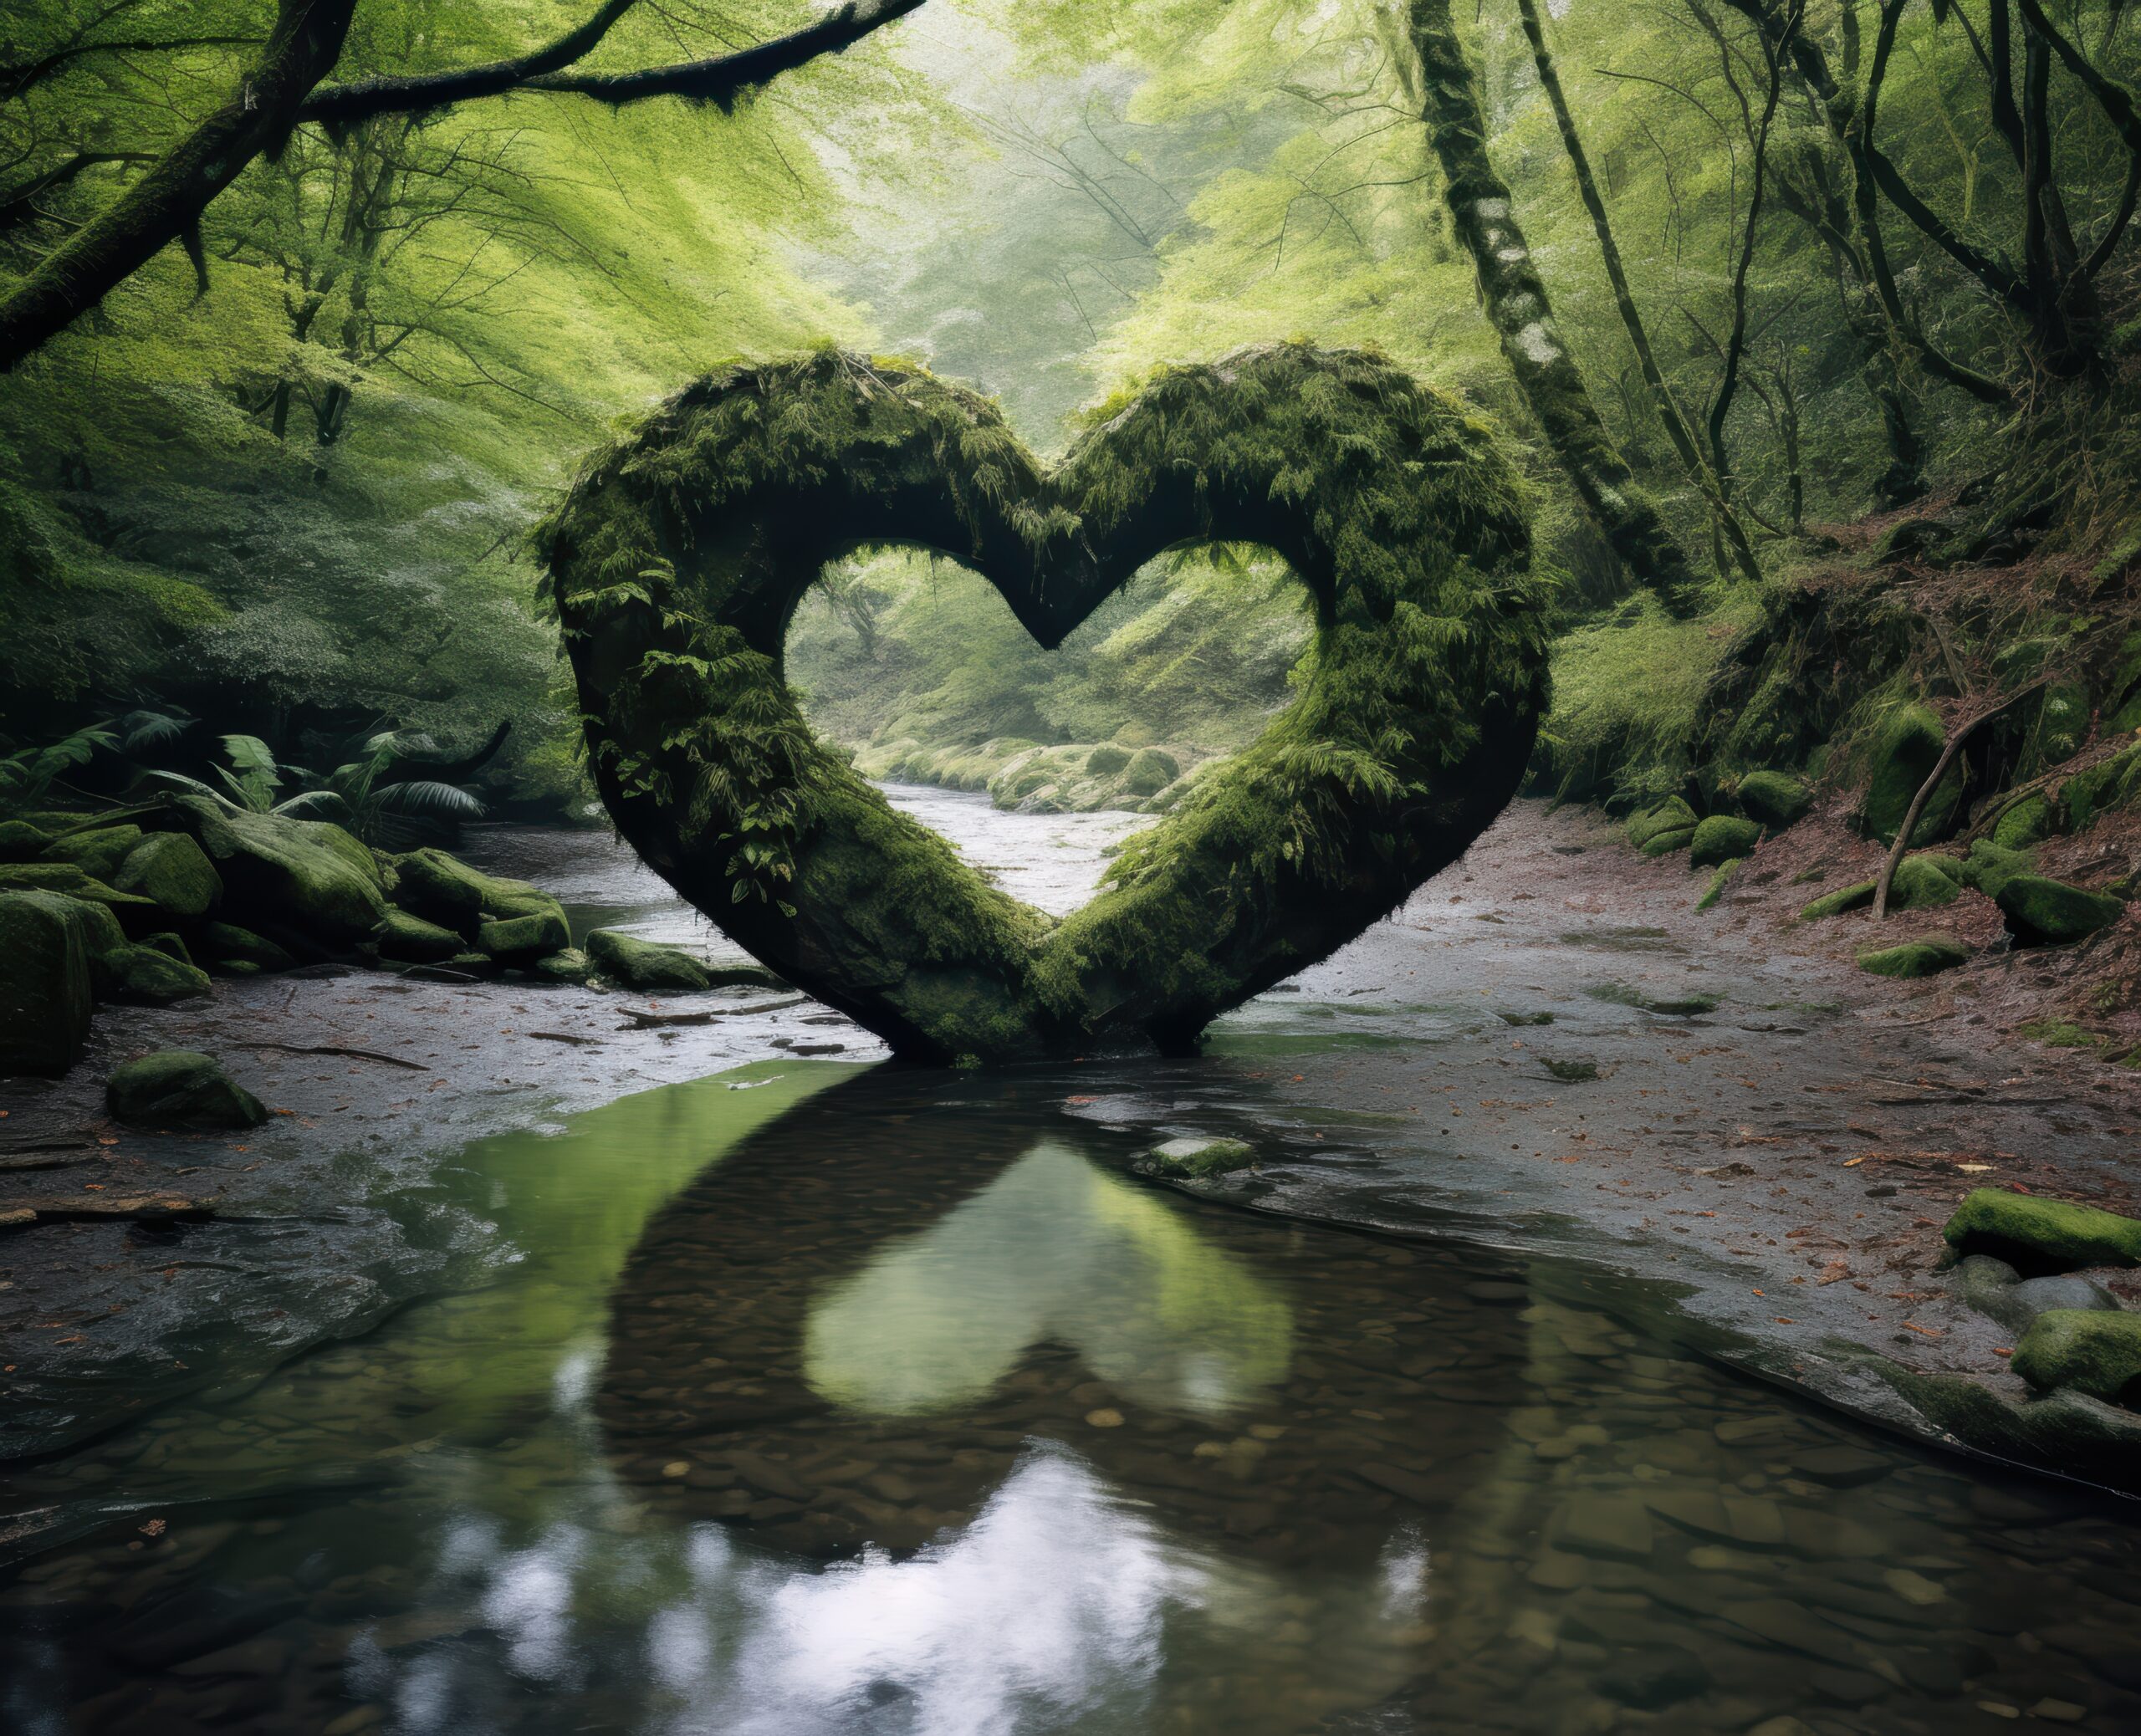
[(1517, 304), (283, 90), (166, 204), (1710, 482)]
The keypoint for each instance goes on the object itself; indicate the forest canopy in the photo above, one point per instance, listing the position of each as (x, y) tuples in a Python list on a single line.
[(1731, 275)]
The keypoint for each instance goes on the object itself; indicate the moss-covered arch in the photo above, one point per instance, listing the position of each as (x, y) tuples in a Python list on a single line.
[(678, 558)]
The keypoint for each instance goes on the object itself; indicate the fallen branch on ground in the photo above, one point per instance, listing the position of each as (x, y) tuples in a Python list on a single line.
[(660, 1021), (355, 1054)]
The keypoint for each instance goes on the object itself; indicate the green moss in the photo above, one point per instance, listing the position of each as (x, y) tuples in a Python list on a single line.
[(1715, 890), (2112, 783), (1921, 883), (149, 978), (1107, 759), (1989, 865), (170, 944), (22, 842), (1412, 725), (45, 990), (179, 1088), (2089, 1350), (2025, 823), (1669, 842), (446, 890), (1672, 814), (2038, 1236), (1776, 800), (1722, 837), (1903, 756), (522, 940), (1150, 771), (409, 939), (1915, 958), (2062, 1034), (571, 966), (1682, 1006), (2045, 912), (309, 877), (225, 945), (67, 880), (98, 853), (1196, 1160), (169, 869), (642, 964)]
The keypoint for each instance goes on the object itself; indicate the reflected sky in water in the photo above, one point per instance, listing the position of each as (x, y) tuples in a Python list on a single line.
[(1053, 1250)]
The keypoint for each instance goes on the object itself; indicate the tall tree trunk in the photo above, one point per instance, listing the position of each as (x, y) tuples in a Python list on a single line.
[(1517, 305), (1708, 481), (166, 204)]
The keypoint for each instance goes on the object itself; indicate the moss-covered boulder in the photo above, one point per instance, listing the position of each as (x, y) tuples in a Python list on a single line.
[(2088, 795), (68, 880), (1905, 753), (1667, 844), (170, 944), (518, 941), (1721, 838), (1775, 800), (1150, 771), (744, 976), (443, 889), (145, 976), (2023, 824), (98, 852), (174, 872), (1196, 1159), (1915, 958), (1670, 815), (2045, 912), (180, 1089), (46, 994), (298, 879), (643, 965), (1989, 865), (2089, 1351), (570, 967), (225, 946), (409, 939), (22, 842), (2036, 1236), (1920, 883), (1106, 760)]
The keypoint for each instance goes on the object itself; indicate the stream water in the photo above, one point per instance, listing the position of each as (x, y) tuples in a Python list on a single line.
[(828, 1398)]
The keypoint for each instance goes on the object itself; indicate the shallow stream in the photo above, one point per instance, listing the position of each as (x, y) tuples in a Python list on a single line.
[(821, 1398)]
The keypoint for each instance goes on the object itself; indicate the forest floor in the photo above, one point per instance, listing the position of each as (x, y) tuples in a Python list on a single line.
[(1785, 1157)]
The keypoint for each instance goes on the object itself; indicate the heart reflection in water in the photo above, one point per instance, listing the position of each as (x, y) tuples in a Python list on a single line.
[(1065, 1442)]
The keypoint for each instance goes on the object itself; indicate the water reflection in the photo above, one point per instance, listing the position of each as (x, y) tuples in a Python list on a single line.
[(877, 1402), (1053, 1250)]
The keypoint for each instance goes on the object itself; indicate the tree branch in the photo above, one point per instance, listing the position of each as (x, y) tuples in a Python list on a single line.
[(719, 79)]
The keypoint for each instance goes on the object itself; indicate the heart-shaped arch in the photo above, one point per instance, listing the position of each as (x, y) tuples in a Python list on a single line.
[(679, 557)]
